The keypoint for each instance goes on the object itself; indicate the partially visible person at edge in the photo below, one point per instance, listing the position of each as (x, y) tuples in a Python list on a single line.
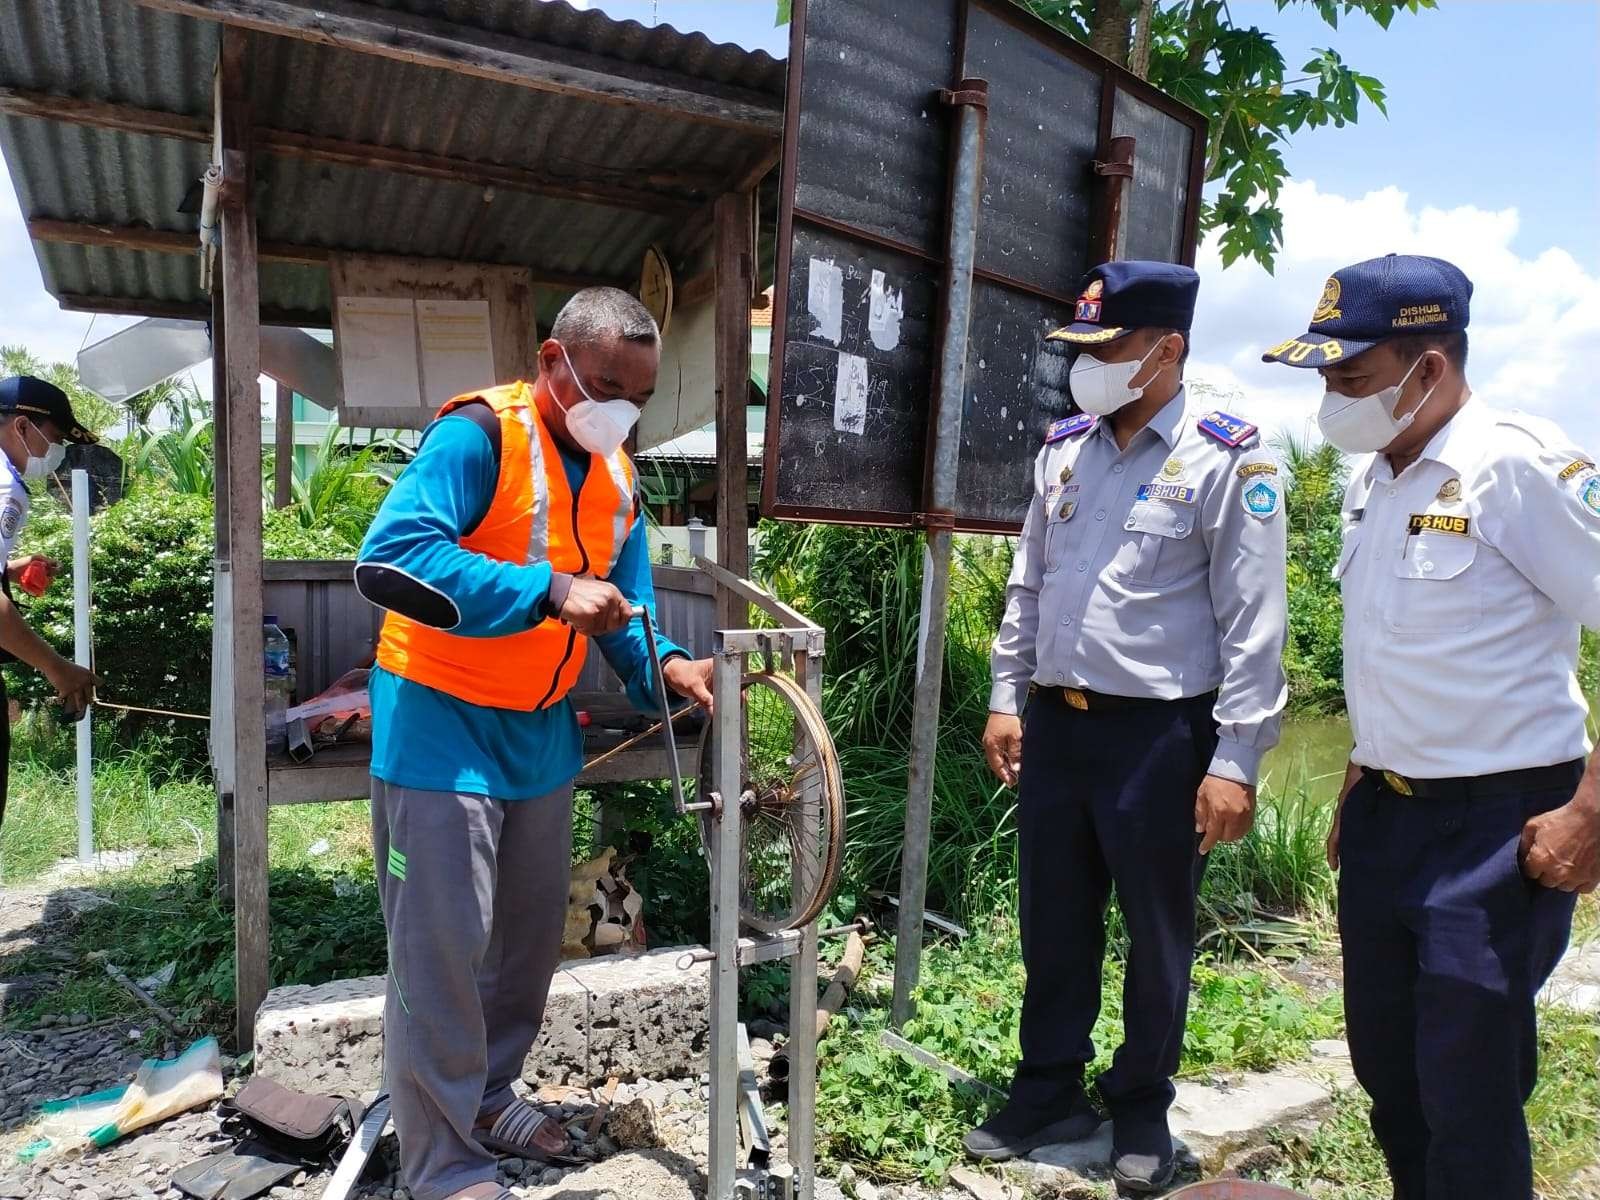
[(1146, 616), (511, 541), (1467, 820), (36, 422)]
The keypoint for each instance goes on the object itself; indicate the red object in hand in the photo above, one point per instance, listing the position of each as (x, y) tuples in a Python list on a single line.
[(583, 719), (35, 578)]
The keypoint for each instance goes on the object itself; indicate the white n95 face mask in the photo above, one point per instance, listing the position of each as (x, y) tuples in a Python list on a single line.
[(599, 426), (1103, 387), (40, 466), (1364, 424)]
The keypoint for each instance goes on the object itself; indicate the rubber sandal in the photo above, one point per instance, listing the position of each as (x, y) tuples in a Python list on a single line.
[(513, 1131)]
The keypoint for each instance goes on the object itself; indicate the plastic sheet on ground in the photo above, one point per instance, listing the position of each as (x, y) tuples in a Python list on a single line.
[(162, 1088)]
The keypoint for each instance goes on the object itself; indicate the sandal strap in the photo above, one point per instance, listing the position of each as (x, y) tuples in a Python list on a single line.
[(517, 1123)]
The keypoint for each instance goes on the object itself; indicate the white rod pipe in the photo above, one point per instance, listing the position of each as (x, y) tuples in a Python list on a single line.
[(81, 655)]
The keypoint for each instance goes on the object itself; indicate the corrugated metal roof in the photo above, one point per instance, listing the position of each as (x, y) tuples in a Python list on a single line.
[(126, 54)]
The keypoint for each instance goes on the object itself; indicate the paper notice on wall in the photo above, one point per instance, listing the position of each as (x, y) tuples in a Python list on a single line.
[(377, 339), (850, 395), (825, 299), (456, 348), (885, 307)]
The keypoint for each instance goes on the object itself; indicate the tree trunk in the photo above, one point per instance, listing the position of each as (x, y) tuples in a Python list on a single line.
[(1139, 57), (1112, 29)]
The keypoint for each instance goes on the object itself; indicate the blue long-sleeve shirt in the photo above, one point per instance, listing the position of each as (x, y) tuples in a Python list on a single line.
[(423, 738)]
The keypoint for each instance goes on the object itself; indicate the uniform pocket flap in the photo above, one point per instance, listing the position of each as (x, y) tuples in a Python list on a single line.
[(1161, 519), (1434, 555)]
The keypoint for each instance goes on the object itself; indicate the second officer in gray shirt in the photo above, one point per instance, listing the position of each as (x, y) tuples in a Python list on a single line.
[(1137, 682)]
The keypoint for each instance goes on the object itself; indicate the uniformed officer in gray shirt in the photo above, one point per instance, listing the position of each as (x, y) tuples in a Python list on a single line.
[(1137, 682)]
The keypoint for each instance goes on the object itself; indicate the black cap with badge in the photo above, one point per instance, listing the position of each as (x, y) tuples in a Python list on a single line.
[(1118, 297), (40, 398), (1394, 296)]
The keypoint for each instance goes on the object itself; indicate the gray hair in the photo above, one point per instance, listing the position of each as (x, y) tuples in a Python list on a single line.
[(599, 314)]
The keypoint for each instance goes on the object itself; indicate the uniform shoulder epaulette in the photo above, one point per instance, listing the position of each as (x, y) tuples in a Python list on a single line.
[(1070, 427), (1228, 430), (1545, 433)]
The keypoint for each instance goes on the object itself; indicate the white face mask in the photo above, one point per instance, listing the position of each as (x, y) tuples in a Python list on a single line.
[(41, 466), (1364, 424), (1101, 387), (599, 426)]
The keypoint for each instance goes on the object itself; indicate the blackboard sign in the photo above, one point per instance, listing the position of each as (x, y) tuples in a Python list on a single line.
[(862, 233)]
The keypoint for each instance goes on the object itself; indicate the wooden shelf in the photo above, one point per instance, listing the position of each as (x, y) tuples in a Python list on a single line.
[(344, 772)]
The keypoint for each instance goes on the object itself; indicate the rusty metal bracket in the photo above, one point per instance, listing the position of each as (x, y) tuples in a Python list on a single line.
[(938, 519), (1124, 170), (973, 92)]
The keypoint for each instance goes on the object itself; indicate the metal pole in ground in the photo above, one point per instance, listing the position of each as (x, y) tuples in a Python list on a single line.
[(727, 725), (970, 101), (82, 655)]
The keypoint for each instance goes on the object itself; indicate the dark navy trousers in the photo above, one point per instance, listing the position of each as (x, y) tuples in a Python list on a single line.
[(1107, 799), (1446, 945)]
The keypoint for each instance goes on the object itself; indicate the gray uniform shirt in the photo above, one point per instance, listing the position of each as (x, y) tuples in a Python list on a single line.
[(1155, 571)]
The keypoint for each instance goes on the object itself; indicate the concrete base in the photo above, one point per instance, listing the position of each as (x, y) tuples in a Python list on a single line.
[(627, 1017), (1214, 1120), (1576, 982)]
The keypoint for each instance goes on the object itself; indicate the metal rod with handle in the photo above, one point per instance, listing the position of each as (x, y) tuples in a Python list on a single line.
[(664, 702)]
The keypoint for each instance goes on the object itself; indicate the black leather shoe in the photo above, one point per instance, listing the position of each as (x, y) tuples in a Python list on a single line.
[(1142, 1156), (1014, 1131)]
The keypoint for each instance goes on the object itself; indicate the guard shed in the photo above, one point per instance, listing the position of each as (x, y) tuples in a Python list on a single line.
[(252, 162)]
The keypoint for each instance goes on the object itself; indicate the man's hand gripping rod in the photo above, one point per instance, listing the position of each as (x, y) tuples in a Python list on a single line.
[(665, 703)]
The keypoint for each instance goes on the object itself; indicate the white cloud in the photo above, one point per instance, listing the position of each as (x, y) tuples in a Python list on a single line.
[(29, 315), (1535, 331)]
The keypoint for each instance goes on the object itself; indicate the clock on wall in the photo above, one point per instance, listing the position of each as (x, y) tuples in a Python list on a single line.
[(655, 286)]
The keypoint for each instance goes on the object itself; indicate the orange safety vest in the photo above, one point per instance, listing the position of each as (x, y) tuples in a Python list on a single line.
[(534, 517)]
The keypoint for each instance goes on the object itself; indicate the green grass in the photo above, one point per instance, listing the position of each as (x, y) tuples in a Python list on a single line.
[(324, 925), (895, 1120), (147, 798), (140, 802)]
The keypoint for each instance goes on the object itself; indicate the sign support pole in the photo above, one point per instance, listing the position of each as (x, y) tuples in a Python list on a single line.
[(970, 100)]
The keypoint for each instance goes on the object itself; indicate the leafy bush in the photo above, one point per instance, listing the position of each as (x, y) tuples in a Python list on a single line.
[(1313, 656), (150, 561), (865, 587)]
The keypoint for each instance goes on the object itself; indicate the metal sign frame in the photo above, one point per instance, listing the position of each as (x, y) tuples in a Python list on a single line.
[(1108, 209)]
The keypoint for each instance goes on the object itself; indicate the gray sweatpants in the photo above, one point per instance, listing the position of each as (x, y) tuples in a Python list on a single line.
[(474, 895)]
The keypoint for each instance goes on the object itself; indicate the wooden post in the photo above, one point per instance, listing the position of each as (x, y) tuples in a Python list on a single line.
[(735, 272), (283, 450), (220, 731), (241, 399)]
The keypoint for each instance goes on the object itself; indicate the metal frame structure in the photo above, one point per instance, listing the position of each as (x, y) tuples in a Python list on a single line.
[(1114, 172), (798, 645)]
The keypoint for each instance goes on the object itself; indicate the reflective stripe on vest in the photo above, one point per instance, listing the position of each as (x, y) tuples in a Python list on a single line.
[(532, 518)]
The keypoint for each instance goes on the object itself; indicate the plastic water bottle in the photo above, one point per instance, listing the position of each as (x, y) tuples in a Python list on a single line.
[(276, 673)]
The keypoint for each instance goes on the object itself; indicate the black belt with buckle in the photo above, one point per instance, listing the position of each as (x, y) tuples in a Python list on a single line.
[(1084, 700), (1467, 787)]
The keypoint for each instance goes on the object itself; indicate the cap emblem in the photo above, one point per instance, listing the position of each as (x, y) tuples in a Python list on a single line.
[(1328, 306)]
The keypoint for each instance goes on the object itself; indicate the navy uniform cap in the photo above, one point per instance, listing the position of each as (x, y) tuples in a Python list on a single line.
[(1118, 297), (41, 398), (1394, 296)]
